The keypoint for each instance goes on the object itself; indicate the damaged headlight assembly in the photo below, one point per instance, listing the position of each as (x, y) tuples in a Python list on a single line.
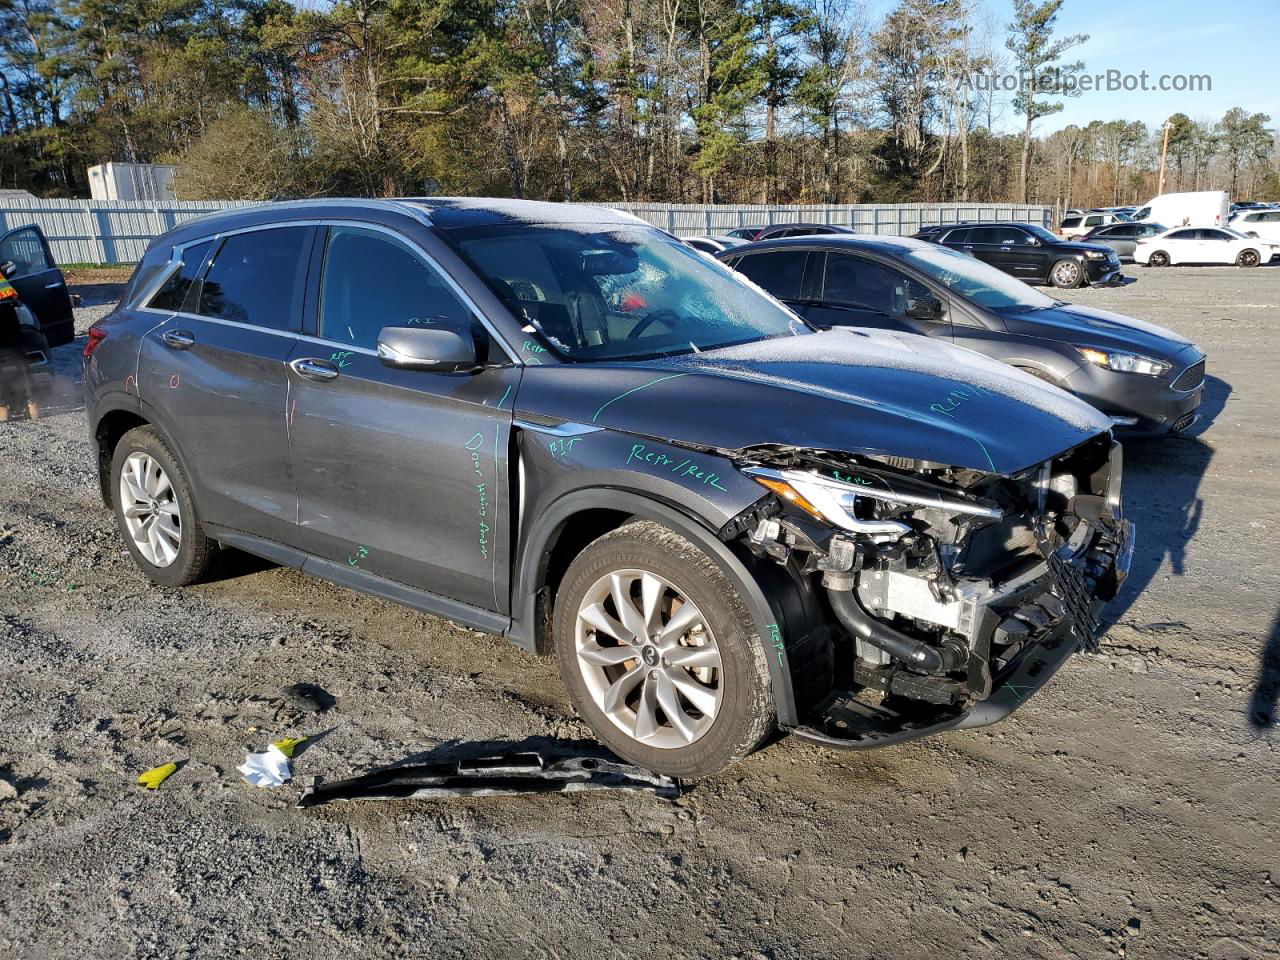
[(836, 501)]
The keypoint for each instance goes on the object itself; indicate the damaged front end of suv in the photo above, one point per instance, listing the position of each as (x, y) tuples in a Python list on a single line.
[(954, 594)]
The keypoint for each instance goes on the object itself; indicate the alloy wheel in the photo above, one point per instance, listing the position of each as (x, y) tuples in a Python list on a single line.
[(1248, 258), (649, 658), (152, 515), (1066, 274), (1159, 259)]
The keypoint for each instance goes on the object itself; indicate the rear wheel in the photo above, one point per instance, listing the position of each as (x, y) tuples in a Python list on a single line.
[(1066, 274), (1158, 258), (1248, 258), (155, 511), (659, 654)]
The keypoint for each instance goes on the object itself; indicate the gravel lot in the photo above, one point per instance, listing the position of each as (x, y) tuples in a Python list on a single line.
[(1130, 810)]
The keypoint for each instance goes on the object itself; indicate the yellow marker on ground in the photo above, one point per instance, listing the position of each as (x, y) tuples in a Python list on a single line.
[(286, 745), (157, 775)]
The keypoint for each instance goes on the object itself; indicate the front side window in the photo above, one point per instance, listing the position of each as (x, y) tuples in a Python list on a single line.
[(173, 295), (867, 285), (26, 251), (1092, 221), (617, 291), (1070, 222), (372, 280), (256, 278)]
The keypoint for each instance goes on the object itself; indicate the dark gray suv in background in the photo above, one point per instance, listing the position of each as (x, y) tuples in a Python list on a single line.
[(1147, 379), (562, 425)]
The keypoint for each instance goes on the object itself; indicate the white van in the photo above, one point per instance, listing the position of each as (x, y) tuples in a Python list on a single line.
[(1205, 208)]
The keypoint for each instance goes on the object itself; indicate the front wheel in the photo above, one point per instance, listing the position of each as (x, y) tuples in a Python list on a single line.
[(1248, 258), (659, 654), (1066, 274)]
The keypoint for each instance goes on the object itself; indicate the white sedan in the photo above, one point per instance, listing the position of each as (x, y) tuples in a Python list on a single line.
[(1203, 245)]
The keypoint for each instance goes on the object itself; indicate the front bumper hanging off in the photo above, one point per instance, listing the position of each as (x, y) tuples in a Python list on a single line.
[(1067, 593)]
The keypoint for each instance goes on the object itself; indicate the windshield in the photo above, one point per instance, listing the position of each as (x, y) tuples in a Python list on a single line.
[(605, 292), (975, 280), (1040, 233)]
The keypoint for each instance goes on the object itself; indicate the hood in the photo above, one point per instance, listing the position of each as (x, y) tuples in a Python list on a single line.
[(856, 391), (1089, 327), (1083, 246)]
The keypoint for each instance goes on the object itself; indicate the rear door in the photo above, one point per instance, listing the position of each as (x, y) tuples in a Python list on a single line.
[(860, 292), (215, 370), (39, 282), (400, 473)]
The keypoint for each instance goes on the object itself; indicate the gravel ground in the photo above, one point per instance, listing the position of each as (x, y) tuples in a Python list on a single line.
[(1129, 810)]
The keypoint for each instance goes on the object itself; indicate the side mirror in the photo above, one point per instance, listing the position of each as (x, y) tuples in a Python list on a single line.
[(440, 349), (925, 308), (1032, 241), (8, 268)]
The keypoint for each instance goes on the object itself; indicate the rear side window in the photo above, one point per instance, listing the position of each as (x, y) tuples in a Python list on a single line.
[(256, 278), (173, 294), (780, 273), (957, 236), (373, 281), (1071, 222), (1183, 235)]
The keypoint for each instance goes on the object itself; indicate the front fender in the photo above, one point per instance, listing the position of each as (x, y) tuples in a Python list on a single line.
[(773, 617)]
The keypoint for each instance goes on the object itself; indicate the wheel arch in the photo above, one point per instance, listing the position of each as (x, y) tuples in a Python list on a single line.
[(124, 413), (776, 600)]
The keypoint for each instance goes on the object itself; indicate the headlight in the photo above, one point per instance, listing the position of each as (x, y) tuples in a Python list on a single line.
[(1125, 362), (1095, 255), (836, 501)]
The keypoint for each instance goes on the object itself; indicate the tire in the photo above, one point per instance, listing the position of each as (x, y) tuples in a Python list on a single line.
[(1248, 258), (703, 742), (1158, 258), (170, 564), (1066, 274)]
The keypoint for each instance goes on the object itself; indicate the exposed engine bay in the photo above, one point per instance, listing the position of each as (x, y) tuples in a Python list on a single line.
[(953, 594)]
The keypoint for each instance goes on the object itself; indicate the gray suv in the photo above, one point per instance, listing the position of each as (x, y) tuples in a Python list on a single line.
[(563, 425)]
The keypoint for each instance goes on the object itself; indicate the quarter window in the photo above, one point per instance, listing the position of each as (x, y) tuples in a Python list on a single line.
[(256, 278), (780, 273), (373, 281), (173, 295)]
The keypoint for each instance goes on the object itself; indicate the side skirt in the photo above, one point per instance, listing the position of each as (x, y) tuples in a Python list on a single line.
[(363, 581)]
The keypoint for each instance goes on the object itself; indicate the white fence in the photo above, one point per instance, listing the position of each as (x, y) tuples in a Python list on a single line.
[(118, 231)]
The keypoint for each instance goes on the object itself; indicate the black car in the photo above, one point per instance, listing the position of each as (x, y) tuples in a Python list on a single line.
[(1147, 379), (562, 425), (27, 262), (1029, 252), (1123, 237), (777, 230)]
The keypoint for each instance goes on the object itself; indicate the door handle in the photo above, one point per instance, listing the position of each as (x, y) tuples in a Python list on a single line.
[(53, 286), (1005, 249), (177, 339), (313, 369), (967, 246)]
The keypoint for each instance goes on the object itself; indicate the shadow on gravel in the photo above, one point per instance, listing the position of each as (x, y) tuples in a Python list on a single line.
[(1162, 498), (1266, 694)]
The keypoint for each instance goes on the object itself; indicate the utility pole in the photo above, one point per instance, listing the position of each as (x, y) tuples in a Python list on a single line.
[(1164, 148)]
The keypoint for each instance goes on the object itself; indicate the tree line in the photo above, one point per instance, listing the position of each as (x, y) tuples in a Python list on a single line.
[(712, 101)]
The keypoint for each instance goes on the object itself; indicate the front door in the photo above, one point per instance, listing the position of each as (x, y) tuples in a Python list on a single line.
[(857, 292), (214, 370), (400, 473), (39, 282)]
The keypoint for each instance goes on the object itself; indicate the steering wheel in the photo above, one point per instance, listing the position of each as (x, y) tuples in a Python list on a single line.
[(665, 314)]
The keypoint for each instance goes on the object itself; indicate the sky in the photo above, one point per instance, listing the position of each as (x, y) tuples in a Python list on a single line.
[(1235, 42)]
